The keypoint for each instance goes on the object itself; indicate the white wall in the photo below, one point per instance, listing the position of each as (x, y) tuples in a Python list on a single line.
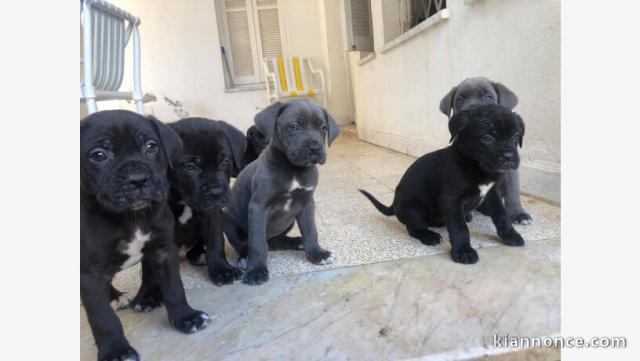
[(181, 58), (516, 42)]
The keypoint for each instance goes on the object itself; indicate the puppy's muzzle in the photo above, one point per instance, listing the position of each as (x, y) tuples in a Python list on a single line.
[(508, 160), (210, 196), (315, 153), (134, 186)]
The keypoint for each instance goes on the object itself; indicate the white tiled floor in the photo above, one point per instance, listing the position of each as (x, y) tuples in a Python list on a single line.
[(350, 227)]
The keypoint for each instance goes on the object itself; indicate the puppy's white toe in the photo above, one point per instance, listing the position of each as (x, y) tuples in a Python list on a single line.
[(328, 260), (242, 263), (121, 302)]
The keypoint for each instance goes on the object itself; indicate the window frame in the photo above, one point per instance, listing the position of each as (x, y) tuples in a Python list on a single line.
[(251, 8)]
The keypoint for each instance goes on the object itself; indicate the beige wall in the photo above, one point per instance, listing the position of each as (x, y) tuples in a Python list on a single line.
[(516, 42), (181, 58)]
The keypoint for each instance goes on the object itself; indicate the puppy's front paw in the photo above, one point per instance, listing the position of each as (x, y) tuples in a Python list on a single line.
[(320, 257), (464, 255), (147, 300), (124, 353), (121, 302), (513, 238), (521, 218), (256, 276), (224, 275), (192, 322)]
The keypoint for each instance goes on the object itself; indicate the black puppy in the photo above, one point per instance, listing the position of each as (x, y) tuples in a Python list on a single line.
[(256, 142), (441, 187), (211, 154), (276, 190), (124, 218), (475, 91)]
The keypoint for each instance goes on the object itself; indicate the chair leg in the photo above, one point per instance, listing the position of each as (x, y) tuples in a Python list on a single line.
[(91, 105)]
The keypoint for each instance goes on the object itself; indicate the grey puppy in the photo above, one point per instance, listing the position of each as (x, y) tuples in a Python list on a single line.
[(476, 91), (276, 190)]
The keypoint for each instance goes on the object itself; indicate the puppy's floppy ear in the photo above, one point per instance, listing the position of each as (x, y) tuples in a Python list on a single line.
[(251, 133), (169, 139), (332, 125), (520, 123), (265, 120), (457, 123), (237, 143), (506, 97), (446, 104)]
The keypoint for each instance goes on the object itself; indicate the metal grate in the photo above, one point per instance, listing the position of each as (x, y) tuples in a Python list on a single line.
[(423, 9)]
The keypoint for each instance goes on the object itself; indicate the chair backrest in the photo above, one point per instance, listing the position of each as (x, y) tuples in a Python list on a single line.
[(109, 39), (290, 74)]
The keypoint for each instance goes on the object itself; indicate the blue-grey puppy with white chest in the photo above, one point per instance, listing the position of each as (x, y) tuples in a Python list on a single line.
[(276, 190)]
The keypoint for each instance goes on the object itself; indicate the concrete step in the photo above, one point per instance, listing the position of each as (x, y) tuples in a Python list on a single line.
[(425, 307)]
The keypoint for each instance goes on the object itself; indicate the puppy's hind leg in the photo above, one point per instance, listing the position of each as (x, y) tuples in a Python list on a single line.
[(119, 300), (283, 242), (238, 240), (413, 218), (197, 254)]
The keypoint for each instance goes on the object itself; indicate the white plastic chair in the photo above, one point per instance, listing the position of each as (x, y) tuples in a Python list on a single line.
[(104, 41), (288, 78)]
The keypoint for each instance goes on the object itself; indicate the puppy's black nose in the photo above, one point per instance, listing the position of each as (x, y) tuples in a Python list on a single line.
[(315, 148), (216, 190), (138, 179), (508, 157)]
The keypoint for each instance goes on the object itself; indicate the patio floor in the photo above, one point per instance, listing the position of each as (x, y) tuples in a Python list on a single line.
[(387, 296)]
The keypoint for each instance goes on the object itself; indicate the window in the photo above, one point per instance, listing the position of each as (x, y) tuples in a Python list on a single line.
[(357, 21), (413, 12), (249, 32)]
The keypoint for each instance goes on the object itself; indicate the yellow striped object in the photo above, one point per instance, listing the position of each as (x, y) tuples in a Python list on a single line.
[(296, 70), (283, 78)]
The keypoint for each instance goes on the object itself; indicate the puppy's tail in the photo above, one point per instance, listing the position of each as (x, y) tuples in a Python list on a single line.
[(387, 211)]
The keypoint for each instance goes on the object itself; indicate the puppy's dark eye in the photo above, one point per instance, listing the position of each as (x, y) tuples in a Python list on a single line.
[(225, 162), (190, 167), (323, 127), (487, 139), (98, 156), (151, 147), (294, 127), (459, 99), (487, 98)]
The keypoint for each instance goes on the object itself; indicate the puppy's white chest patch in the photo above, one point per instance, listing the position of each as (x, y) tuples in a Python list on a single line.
[(134, 247), (186, 215), (295, 184), (484, 189)]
